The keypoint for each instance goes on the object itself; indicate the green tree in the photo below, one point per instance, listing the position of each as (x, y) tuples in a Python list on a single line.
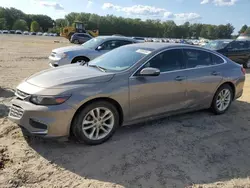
[(110, 24), (243, 29), (247, 31), (2, 23), (20, 25), (44, 21), (71, 18), (211, 32), (203, 32), (34, 27), (61, 23)]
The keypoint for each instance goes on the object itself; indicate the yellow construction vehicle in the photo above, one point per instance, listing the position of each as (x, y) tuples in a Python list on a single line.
[(78, 27)]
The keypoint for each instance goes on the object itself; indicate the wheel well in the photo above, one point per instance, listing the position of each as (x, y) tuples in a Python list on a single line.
[(231, 85), (79, 57), (112, 101)]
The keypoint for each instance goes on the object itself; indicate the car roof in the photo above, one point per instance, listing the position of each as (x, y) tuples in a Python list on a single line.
[(116, 38), (224, 40), (157, 45)]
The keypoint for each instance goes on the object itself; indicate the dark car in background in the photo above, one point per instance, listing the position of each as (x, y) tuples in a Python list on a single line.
[(80, 38), (12, 31), (32, 33), (236, 50)]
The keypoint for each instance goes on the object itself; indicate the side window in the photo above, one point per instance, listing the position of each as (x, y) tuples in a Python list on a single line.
[(85, 35), (216, 59), (238, 45), (169, 60), (110, 45), (124, 42), (197, 58)]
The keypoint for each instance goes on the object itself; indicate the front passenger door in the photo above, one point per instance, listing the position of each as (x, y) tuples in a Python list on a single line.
[(154, 95)]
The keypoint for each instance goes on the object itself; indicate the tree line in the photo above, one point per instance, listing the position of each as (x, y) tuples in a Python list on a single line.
[(11, 18)]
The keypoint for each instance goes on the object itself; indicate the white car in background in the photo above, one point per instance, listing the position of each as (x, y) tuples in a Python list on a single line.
[(139, 39), (19, 32), (5, 32), (87, 51)]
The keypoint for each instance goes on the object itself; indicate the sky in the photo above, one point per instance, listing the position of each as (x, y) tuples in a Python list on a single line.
[(236, 12)]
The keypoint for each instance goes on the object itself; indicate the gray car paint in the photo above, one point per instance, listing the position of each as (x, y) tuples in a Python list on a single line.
[(139, 97), (80, 51)]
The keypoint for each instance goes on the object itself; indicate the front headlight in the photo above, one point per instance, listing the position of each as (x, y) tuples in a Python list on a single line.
[(48, 100), (62, 55)]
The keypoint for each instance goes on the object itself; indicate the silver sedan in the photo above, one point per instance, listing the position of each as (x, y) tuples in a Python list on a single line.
[(129, 84), (87, 51)]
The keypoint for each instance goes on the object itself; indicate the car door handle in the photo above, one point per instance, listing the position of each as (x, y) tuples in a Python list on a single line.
[(215, 73), (180, 78)]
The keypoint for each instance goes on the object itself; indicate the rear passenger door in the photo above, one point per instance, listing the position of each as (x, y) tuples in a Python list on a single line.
[(203, 76)]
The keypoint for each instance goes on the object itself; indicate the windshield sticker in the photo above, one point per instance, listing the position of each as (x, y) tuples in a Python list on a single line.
[(146, 52)]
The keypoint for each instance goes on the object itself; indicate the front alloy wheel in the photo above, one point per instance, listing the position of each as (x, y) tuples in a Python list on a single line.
[(98, 123), (95, 123)]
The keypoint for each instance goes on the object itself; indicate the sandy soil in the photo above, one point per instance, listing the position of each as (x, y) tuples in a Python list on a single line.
[(191, 150)]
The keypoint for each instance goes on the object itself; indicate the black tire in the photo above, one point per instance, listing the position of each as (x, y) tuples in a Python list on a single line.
[(70, 35), (246, 65), (77, 59), (77, 123), (214, 107), (76, 41)]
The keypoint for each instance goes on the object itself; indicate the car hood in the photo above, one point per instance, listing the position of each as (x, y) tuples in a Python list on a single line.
[(68, 49), (68, 75)]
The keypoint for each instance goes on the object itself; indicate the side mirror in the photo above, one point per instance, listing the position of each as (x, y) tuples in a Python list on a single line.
[(99, 48), (149, 71)]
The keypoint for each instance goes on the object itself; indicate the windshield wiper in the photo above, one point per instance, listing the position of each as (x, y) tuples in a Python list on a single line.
[(100, 68)]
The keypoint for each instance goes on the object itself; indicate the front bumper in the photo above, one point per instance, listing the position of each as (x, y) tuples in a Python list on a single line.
[(55, 61), (47, 121)]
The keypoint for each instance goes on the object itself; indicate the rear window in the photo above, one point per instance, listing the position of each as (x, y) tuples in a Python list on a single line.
[(216, 59), (197, 58)]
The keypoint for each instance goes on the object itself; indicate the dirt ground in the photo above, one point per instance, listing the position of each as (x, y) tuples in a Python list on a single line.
[(191, 150)]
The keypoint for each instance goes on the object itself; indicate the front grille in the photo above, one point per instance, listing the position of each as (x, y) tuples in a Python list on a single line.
[(21, 94), (16, 112), (53, 54)]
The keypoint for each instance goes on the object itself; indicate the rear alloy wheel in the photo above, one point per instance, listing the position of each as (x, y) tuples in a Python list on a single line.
[(96, 123), (222, 99)]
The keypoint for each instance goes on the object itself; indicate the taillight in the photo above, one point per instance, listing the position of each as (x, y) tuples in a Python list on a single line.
[(243, 70)]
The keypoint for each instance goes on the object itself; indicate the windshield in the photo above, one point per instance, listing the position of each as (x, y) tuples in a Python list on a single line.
[(93, 43), (121, 58), (216, 45)]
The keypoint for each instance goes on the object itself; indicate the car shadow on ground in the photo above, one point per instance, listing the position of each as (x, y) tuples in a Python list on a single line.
[(176, 151), (5, 96)]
